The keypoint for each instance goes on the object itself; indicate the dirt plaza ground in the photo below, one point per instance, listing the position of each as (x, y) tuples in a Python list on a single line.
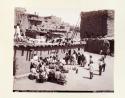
[(75, 82)]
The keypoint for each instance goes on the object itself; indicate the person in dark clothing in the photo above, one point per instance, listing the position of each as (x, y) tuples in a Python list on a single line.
[(76, 70), (103, 65), (31, 66), (82, 60), (91, 60), (100, 67), (79, 58), (69, 52), (100, 70), (66, 58)]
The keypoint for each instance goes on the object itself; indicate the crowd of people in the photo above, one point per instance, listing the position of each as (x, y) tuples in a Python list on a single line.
[(75, 58), (48, 69), (53, 69)]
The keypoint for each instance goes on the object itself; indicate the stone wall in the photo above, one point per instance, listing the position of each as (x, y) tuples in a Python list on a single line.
[(96, 23)]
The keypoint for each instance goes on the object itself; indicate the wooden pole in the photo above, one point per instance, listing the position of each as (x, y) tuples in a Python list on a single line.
[(27, 55), (22, 53)]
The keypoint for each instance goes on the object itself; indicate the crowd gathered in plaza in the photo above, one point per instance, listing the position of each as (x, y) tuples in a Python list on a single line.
[(54, 69)]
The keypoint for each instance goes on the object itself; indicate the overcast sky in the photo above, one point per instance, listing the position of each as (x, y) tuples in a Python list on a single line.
[(71, 16), (68, 10)]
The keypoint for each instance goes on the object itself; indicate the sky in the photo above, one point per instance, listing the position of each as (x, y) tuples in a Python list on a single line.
[(71, 16), (68, 10)]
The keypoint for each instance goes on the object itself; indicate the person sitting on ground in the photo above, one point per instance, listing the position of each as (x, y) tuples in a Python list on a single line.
[(54, 60), (51, 66), (33, 69), (57, 74), (34, 64), (41, 67), (42, 75), (62, 79), (35, 59)]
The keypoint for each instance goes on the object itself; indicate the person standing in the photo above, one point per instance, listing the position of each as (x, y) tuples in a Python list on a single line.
[(101, 52), (83, 60), (77, 70), (91, 70), (79, 58), (100, 66), (103, 64), (90, 60), (66, 58), (18, 33), (74, 59)]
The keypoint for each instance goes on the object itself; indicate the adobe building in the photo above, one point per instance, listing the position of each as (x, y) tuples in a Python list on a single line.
[(35, 26)]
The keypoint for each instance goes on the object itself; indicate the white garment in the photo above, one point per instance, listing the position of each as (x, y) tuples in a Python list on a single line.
[(18, 30), (57, 74), (101, 63), (74, 59), (35, 61), (42, 68), (18, 33), (54, 61), (35, 58), (62, 61), (74, 56), (47, 70), (33, 70), (91, 69)]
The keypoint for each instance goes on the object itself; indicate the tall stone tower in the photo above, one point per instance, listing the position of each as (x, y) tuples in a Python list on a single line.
[(96, 24)]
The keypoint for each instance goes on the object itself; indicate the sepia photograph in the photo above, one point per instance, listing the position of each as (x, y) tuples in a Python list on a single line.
[(62, 50)]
